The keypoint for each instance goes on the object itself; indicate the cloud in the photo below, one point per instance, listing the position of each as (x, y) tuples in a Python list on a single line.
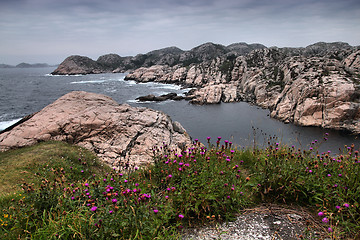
[(91, 27)]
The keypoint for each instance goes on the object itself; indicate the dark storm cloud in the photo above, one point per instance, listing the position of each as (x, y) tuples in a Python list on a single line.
[(57, 28)]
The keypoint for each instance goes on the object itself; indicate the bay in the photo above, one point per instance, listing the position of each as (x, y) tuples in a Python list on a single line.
[(28, 90)]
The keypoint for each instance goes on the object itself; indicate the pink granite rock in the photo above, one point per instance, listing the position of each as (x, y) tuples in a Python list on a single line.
[(116, 133)]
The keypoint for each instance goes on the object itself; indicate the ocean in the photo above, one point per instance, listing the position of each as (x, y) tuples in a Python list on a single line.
[(24, 91)]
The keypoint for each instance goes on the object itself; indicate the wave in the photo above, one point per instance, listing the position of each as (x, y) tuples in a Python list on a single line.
[(66, 75), (6, 124), (130, 82), (149, 102), (160, 93), (89, 81), (110, 90), (101, 80), (132, 101), (170, 86), (165, 86)]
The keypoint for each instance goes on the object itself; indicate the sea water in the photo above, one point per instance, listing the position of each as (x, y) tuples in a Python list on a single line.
[(25, 91)]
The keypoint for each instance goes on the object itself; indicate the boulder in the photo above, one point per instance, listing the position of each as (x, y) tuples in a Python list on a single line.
[(147, 98), (150, 74), (353, 61), (164, 97), (161, 98), (208, 95), (116, 133)]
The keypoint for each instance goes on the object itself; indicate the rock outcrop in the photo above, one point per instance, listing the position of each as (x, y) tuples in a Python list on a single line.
[(309, 90), (74, 65), (313, 86), (161, 98), (170, 56), (116, 133)]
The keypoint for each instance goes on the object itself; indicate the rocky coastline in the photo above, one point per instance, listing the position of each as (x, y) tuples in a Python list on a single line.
[(313, 86), (117, 133)]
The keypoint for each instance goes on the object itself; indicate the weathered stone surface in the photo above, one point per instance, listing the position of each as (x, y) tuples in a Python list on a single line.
[(109, 62), (116, 133), (83, 65), (353, 61), (310, 90), (164, 97), (211, 94), (152, 73), (169, 56), (208, 95), (78, 65), (263, 222), (307, 86)]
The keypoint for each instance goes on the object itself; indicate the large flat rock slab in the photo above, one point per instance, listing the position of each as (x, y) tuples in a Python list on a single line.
[(117, 133)]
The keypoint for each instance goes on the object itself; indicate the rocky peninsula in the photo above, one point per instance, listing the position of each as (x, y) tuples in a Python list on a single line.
[(313, 86), (117, 133)]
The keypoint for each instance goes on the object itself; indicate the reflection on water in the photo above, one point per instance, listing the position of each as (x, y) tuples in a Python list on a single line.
[(245, 124)]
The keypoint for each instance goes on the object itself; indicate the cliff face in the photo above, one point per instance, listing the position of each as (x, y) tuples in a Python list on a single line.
[(312, 86), (116, 133)]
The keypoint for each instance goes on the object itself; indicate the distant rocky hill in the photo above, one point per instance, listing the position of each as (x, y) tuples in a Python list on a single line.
[(6, 66), (170, 56), (173, 56), (313, 86), (35, 65), (26, 65)]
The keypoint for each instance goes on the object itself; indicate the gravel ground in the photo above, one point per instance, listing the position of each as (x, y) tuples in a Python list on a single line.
[(264, 222)]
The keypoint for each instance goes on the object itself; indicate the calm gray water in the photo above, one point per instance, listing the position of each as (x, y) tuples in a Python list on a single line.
[(25, 91)]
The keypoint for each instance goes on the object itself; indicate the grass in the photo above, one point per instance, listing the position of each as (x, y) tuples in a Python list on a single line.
[(30, 163), (80, 199)]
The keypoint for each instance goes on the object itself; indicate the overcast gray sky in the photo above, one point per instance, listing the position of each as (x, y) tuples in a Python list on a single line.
[(50, 30)]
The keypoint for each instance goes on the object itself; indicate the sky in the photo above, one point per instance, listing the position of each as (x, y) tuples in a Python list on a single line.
[(47, 31)]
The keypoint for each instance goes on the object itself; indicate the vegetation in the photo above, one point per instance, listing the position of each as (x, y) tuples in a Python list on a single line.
[(190, 61), (227, 66), (325, 72), (35, 162), (255, 59), (277, 79), (75, 198)]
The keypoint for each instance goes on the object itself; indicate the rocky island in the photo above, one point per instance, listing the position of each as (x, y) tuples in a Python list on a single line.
[(116, 133), (313, 86)]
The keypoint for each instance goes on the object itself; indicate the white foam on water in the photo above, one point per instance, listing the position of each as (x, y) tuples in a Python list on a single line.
[(66, 75), (89, 81), (186, 89), (156, 85), (130, 82), (160, 85), (137, 101), (169, 86), (132, 101), (6, 124), (101, 80), (110, 90)]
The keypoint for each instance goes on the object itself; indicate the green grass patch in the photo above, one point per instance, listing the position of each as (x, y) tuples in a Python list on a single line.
[(33, 163), (199, 186)]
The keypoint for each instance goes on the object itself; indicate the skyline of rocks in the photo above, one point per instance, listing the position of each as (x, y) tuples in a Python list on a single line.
[(313, 86)]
